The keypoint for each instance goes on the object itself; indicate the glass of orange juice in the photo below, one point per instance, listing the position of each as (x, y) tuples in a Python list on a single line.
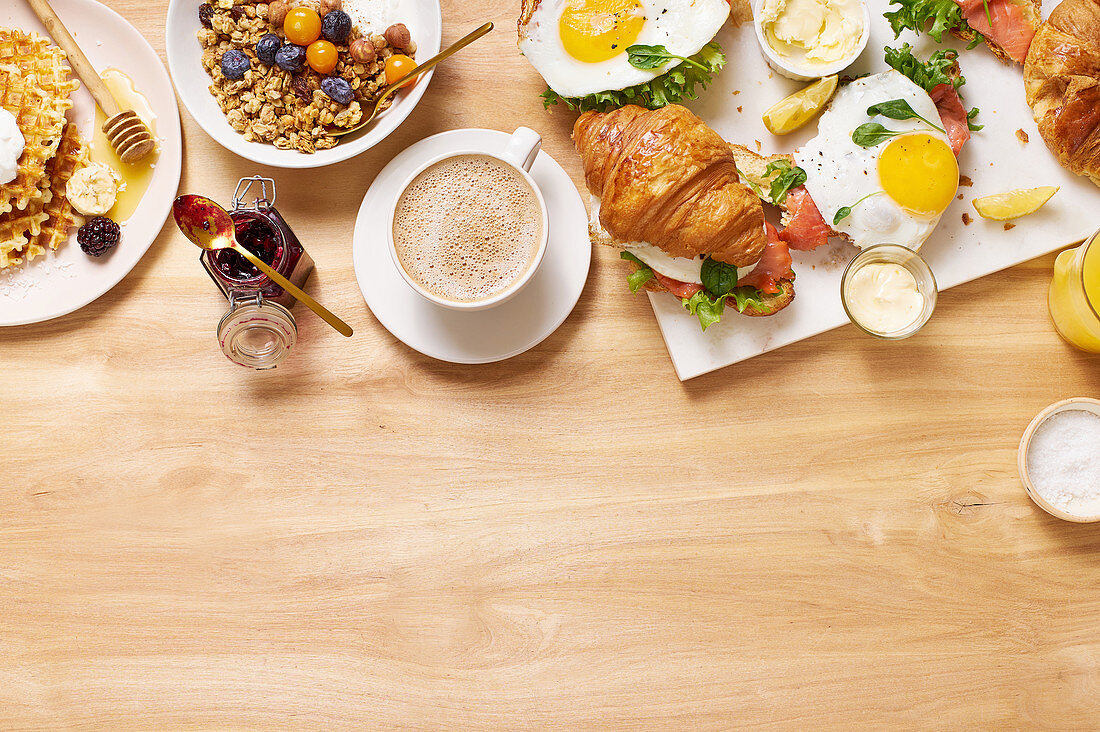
[(1075, 295)]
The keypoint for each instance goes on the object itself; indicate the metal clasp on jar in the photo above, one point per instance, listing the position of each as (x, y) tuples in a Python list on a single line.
[(262, 202)]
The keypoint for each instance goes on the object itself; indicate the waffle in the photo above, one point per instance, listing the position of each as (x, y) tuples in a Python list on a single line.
[(19, 227), (35, 86), (72, 154)]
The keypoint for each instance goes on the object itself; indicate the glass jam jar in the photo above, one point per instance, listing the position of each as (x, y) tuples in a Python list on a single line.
[(258, 330)]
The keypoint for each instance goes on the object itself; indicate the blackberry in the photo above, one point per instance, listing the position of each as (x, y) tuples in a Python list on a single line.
[(268, 47), (290, 57), (98, 236), (338, 89), (206, 12), (234, 64), (336, 26)]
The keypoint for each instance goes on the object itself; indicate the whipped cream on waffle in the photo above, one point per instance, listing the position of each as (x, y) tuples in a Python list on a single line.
[(11, 146)]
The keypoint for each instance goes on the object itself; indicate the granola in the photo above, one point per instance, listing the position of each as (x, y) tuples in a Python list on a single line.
[(271, 105)]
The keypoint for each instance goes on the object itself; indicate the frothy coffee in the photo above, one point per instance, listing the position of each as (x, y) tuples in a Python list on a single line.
[(467, 228)]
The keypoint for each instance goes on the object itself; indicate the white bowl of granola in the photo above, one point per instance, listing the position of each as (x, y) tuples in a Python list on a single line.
[(276, 118)]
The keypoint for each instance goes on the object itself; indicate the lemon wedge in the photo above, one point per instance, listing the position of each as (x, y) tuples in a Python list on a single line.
[(792, 112), (1014, 204)]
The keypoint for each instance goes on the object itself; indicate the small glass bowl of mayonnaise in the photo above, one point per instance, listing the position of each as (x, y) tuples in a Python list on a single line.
[(888, 291)]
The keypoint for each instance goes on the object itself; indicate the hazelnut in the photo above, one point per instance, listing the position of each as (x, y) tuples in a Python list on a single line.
[(276, 12), (398, 36), (327, 6), (362, 50)]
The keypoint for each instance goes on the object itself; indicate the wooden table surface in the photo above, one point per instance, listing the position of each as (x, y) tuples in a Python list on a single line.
[(829, 535)]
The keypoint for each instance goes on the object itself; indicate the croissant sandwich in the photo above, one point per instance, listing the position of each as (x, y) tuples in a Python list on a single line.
[(1062, 84), (666, 190)]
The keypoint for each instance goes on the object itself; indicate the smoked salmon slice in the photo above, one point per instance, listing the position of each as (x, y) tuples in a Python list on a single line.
[(1013, 27)]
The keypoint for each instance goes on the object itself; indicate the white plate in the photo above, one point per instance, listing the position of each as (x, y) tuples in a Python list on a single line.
[(424, 20), (485, 335), (68, 279), (993, 158)]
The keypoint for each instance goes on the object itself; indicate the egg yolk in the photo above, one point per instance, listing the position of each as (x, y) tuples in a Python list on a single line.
[(920, 173), (597, 30)]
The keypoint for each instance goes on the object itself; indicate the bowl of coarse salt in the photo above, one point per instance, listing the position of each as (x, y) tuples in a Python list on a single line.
[(1059, 460)]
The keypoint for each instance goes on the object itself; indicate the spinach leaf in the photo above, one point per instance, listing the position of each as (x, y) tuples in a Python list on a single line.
[(870, 134), (845, 211), (899, 109), (789, 177), (718, 277)]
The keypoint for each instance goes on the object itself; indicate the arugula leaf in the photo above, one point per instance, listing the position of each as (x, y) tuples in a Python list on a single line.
[(747, 181), (926, 74), (789, 177), (640, 276), (915, 15), (898, 109), (971, 115), (702, 306), (718, 277), (652, 57), (674, 86), (940, 68), (845, 211)]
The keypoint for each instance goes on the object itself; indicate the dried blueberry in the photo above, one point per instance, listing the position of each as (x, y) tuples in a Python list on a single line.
[(338, 89), (98, 236), (234, 64), (336, 26), (206, 12), (267, 47), (290, 57)]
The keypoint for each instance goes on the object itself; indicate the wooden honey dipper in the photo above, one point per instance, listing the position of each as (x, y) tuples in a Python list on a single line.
[(125, 131)]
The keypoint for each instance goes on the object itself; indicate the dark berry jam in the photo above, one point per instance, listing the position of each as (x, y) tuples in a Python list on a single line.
[(264, 233), (257, 236)]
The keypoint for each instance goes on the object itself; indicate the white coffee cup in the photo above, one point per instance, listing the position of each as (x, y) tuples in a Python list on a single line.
[(519, 154)]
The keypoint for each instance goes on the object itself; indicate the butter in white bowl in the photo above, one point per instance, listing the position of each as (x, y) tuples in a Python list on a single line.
[(809, 39)]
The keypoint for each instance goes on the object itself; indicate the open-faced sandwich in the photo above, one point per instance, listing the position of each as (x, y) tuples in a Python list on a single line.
[(1062, 82), (1006, 26), (601, 54), (665, 189), (883, 166)]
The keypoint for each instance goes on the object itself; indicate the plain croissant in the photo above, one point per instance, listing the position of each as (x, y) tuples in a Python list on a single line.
[(666, 178)]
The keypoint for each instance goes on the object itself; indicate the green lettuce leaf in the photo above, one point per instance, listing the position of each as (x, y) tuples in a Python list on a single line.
[(708, 309), (639, 276), (672, 87)]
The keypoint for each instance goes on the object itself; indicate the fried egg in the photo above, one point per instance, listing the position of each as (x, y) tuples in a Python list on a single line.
[(897, 189), (579, 46), (683, 269)]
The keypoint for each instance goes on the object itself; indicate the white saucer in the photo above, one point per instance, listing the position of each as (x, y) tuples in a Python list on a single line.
[(483, 336)]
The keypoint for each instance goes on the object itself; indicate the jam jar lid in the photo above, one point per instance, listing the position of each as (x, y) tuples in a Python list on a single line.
[(257, 333)]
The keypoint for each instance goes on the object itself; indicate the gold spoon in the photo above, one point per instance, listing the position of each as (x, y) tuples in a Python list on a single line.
[(389, 90), (209, 227)]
